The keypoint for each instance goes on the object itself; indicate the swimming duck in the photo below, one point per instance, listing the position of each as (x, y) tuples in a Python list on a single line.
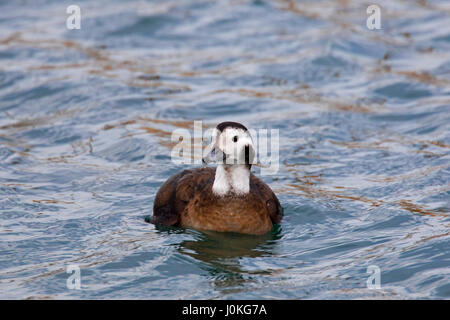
[(228, 198)]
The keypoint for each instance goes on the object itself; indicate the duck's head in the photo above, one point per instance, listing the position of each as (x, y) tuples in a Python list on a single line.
[(231, 144)]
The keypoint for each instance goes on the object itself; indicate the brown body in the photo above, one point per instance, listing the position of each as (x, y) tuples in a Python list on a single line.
[(186, 199)]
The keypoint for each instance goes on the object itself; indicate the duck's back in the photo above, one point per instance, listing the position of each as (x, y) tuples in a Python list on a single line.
[(186, 199)]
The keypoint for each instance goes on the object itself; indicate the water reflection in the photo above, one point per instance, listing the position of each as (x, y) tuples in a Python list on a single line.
[(220, 254), (212, 246)]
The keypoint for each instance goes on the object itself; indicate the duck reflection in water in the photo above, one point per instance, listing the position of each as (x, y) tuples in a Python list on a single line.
[(219, 253)]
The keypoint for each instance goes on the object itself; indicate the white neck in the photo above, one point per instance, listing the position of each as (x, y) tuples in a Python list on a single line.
[(234, 178)]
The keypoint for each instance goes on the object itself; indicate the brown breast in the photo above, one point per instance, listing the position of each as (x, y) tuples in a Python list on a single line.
[(247, 214), (186, 199)]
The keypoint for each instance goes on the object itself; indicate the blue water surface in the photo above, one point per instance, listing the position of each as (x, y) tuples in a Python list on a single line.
[(86, 118)]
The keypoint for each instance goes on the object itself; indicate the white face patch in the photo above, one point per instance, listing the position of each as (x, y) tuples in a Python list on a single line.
[(233, 175), (232, 142)]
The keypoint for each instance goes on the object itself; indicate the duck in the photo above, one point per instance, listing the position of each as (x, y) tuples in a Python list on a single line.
[(225, 198)]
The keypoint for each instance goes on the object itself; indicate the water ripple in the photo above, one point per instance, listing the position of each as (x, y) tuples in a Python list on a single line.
[(86, 118)]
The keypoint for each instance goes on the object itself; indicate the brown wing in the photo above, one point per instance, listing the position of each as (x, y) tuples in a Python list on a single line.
[(273, 204), (175, 194)]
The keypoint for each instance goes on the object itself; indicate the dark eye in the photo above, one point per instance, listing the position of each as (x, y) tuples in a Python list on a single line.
[(235, 138)]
